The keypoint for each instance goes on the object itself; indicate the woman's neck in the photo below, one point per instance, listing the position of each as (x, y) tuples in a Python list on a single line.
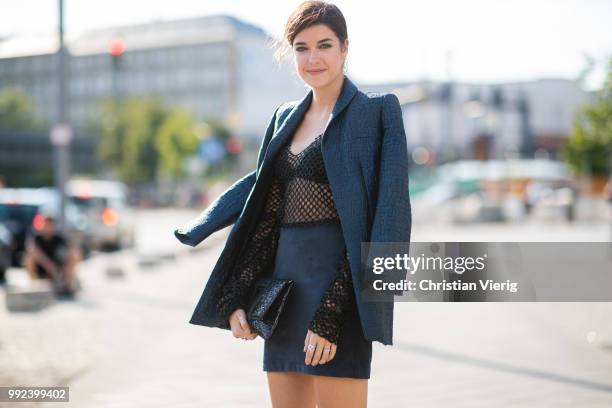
[(324, 98)]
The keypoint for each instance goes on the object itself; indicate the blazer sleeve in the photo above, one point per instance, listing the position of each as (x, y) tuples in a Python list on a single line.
[(257, 255), (225, 210), (335, 306), (392, 220)]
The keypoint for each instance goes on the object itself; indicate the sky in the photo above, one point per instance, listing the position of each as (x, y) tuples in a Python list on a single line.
[(467, 40)]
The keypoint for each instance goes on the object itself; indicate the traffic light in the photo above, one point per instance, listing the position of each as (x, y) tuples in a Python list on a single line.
[(233, 145), (117, 47)]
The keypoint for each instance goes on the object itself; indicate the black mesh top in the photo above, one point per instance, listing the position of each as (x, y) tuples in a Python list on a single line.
[(300, 195)]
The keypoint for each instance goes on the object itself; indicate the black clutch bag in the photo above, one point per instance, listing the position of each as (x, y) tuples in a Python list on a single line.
[(266, 301)]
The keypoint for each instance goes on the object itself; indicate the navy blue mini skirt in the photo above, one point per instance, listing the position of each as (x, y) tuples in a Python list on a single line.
[(310, 255)]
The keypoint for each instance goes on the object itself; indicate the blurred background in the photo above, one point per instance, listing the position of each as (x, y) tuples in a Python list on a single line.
[(125, 119)]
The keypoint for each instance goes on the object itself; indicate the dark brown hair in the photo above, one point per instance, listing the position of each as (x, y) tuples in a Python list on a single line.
[(308, 14)]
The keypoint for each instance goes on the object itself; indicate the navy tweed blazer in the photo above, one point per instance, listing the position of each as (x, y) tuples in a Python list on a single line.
[(365, 154)]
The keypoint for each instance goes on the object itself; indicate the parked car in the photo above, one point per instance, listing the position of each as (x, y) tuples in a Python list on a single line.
[(20, 213), (6, 243), (110, 219)]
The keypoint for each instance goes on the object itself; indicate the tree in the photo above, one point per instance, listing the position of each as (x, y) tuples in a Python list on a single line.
[(174, 141), (126, 142), (16, 112), (141, 139), (589, 148)]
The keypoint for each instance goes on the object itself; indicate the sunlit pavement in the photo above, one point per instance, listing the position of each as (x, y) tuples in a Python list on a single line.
[(126, 341)]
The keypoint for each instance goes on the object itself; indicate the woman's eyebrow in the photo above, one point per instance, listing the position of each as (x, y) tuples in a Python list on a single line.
[(318, 42)]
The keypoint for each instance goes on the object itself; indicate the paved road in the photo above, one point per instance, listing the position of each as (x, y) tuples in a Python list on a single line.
[(127, 343)]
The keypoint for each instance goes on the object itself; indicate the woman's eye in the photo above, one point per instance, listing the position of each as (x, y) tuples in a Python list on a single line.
[(300, 49)]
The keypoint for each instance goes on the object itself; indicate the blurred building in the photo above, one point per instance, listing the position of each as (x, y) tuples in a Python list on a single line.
[(212, 66), (221, 66), (452, 120)]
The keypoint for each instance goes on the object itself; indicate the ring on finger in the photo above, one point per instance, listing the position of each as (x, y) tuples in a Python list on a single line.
[(311, 347)]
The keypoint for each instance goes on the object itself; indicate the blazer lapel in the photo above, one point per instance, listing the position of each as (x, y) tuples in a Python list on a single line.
[(290, 124), (287, 128)]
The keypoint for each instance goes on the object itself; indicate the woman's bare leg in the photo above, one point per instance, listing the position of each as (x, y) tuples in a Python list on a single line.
[(290, 389), (332, 392)]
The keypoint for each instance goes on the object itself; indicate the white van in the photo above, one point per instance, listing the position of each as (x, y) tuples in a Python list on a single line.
[(111, 220)]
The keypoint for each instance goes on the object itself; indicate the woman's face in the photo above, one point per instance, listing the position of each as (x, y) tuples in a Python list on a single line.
[(318, 55)]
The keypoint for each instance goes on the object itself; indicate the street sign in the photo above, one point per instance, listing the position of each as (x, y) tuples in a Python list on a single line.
[(211, 150), (61, 134)]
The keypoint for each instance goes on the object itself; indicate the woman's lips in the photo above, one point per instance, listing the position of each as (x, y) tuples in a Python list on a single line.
[(316, 72)]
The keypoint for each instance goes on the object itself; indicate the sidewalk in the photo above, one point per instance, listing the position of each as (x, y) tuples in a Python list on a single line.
[(127, 343)]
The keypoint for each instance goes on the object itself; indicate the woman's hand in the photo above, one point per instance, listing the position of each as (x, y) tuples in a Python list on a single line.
[(318, 349), (240, 326)]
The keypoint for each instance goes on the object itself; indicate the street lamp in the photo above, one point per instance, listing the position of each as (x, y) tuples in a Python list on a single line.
[(61, 132), (524, 109), (474, 109)]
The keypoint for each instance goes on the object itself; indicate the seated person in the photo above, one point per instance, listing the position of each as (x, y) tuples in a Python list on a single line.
[(49, 255)]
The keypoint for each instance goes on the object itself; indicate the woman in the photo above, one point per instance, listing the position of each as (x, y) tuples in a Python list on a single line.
[(332, 173)]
